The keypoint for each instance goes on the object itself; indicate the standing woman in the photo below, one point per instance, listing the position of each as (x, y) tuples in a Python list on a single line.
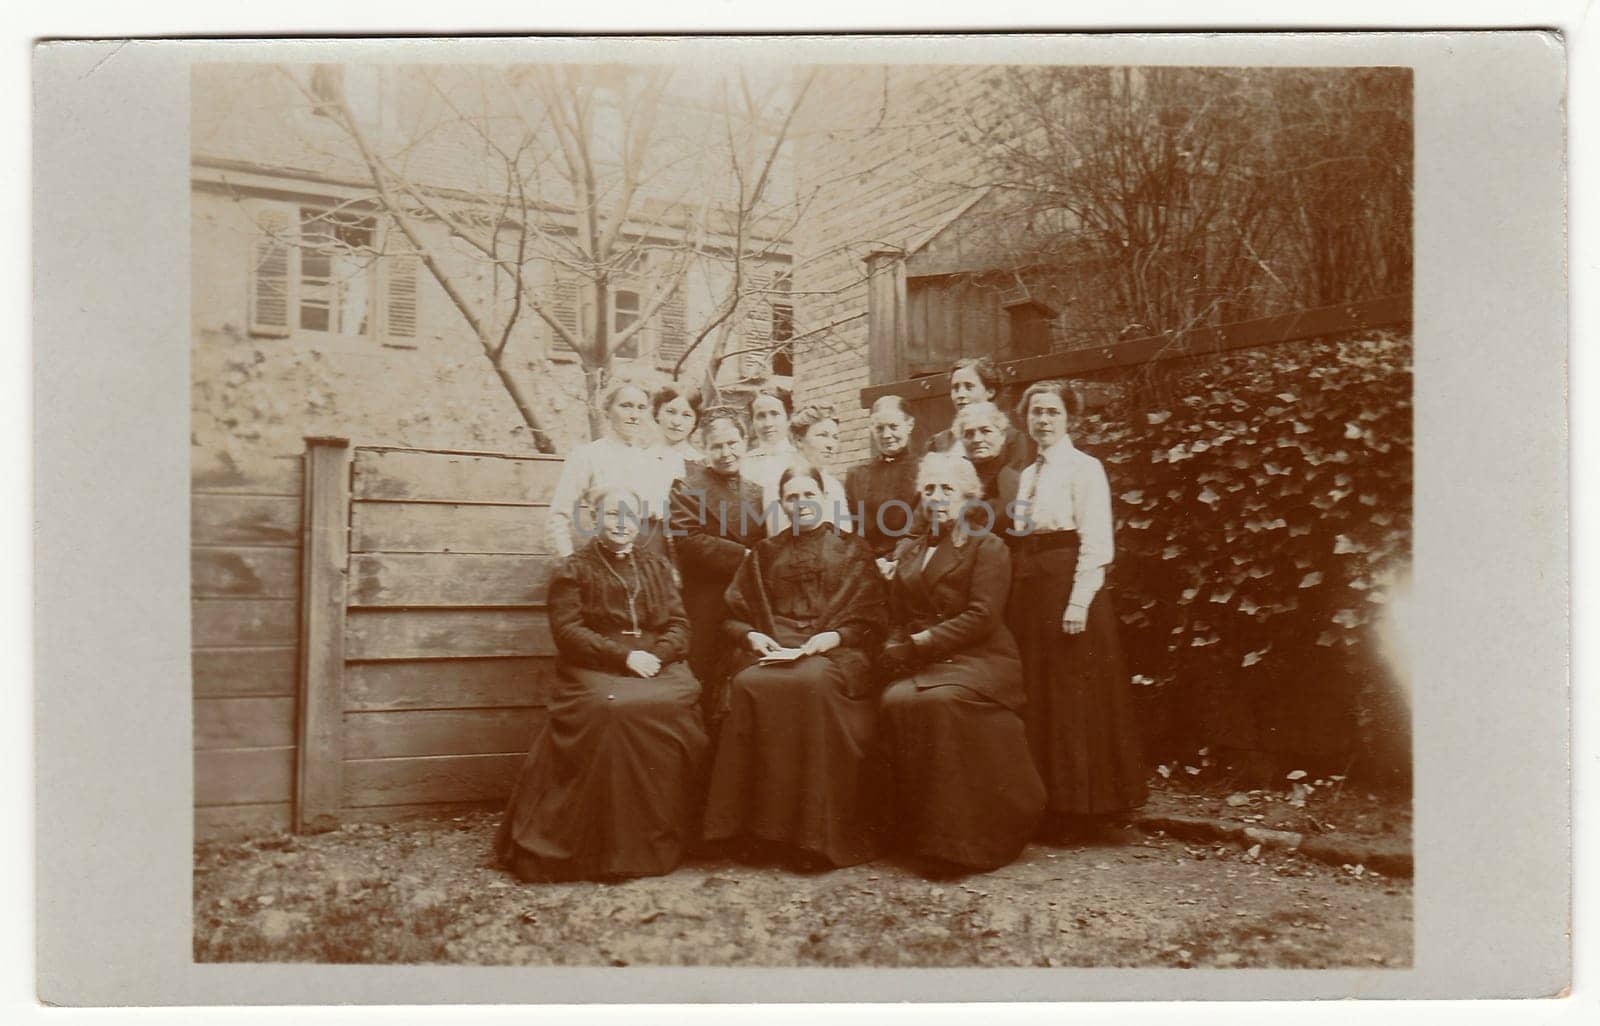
[(975, 380), (1080, 718), (623, 456), (793, 759), (607, 788), (962, 791), (714, 520), (771, 448), (815, 432), (677, 413)]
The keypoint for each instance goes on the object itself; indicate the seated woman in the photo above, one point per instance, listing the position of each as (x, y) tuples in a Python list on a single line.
[(606, 790), (792, 763), (964, 788)]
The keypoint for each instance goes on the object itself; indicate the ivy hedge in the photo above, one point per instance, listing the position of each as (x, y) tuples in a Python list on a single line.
[(1263, 505)]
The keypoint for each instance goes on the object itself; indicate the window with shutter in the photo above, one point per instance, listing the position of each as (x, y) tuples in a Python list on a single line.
[(400, 288), (565, 311), (271, 274), (672, 330), (757, 327)]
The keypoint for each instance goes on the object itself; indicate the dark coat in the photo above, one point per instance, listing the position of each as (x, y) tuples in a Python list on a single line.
[(713, 520), (870, 490), (827, 577), (960, 599), (590, 616)]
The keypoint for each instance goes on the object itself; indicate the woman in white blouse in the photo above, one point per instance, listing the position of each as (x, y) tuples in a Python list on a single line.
[(771, 448), (624, 457), (1080, 716), (815, 431), (677, 412)]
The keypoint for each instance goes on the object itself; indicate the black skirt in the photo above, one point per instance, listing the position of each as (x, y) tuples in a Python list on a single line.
[(963, 788), (609, 785), (795, 759), (1080, 717)]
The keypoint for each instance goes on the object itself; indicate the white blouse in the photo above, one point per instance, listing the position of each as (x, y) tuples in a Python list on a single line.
[(760, 464), (1066, 490), (605, 461)]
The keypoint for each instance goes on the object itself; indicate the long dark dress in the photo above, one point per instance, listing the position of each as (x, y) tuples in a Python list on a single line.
[(794, 758), (883, 493), (1081, 726), (714, 520), (607, 789), (964, 788)]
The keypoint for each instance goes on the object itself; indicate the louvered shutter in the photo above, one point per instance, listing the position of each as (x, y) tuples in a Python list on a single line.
[(672, 329), (566, 314), (400, 288), (757, 328), (271, 273)]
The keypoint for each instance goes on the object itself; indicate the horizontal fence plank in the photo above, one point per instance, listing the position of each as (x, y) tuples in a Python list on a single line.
[(243, 722), (446, 633), (243, 776), (236, 822), (437, 778), (420, 811), (244, 572), (267, 475), (245, 622), (383, 735), (244, 520), (447, 527), (447, 683), (448, 579), (238, 672), (398, 475)]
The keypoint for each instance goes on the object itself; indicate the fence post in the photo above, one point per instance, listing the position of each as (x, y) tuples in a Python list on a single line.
[(324, 556)]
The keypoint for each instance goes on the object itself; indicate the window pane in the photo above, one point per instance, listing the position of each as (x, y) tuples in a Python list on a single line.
[(315, 267), (313, 317)]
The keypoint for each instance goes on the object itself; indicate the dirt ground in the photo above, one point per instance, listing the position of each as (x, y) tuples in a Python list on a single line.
[(428, 891)]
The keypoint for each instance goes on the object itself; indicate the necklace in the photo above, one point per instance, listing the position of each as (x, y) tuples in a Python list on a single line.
[(630, 591)]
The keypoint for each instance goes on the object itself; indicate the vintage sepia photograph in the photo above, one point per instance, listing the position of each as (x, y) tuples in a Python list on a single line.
[(765, 515)]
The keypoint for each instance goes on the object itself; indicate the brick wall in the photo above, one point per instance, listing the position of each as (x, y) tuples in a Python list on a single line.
[(880, 160)]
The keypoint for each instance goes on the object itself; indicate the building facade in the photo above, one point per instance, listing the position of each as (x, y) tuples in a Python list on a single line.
[(312, 314)]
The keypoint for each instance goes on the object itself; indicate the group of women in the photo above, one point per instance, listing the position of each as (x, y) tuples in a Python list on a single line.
[(774, 684)]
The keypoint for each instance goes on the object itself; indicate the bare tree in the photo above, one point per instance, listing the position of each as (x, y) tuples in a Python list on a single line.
[(589, 173), (1196, 195)]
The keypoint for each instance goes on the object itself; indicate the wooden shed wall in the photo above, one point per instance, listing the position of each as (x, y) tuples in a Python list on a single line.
[(244, 586)]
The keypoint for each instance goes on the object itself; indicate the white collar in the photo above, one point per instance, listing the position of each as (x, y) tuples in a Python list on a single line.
[(1063, 449)]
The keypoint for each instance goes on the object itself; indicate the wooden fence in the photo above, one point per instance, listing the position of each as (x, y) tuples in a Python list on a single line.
[(415, 581), (245, 588)]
